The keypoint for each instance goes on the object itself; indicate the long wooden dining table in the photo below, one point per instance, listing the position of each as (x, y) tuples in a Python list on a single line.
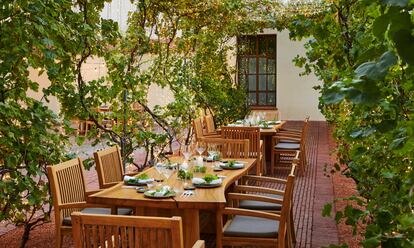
[(187, 207)]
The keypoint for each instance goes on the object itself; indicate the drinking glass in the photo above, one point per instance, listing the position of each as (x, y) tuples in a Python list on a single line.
[(200, 148), (212, 151), (158, 167), (186, 151), (167, 171)]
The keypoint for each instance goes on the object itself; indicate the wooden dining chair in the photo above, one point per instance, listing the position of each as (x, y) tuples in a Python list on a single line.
[(260, 185), (256, 148), (198, 130), (285, 144), (229, 148), (210, 126), (83, 127), (296, 131), (91, 230), (68, 186), (245, 227), (109, 166)]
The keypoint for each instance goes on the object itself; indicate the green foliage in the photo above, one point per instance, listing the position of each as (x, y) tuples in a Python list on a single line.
[(209, 178), (182, 46), (362, 51), (30, 134)]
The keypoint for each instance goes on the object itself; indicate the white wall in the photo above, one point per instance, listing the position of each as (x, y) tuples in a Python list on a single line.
[(94, 68), (44, 82), (295, 96)]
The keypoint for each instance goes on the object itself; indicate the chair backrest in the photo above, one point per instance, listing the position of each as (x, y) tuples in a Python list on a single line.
[(198, 128), (305, 127), (230, 148), (287, 203), (91, 230), (210, 127), (67, 183), (109, 166), (250, 133)]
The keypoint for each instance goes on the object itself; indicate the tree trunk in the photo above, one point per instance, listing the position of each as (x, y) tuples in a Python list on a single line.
[(25, 236)]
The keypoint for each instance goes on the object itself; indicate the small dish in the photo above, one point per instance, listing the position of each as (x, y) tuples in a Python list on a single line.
[(141, 189), (189, 187), (207, 185), (149, 194)]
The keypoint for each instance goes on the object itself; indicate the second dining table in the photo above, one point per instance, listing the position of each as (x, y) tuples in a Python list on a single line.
[(188, 207), (266, 135)]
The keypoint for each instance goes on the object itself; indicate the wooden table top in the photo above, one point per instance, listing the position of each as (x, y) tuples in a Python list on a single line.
[(266, 131), (204, 198)]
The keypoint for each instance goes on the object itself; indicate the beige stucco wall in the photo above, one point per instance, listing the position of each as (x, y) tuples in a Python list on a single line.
[(93, 69), (44, 82), (295, 96)]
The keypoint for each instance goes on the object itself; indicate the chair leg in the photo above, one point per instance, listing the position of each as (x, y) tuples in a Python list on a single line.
[(292, 228), (302, 163), (59, 238), (219, 229), (272, 163)]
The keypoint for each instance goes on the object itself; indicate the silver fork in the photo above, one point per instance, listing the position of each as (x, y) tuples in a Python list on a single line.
[(187, 193)]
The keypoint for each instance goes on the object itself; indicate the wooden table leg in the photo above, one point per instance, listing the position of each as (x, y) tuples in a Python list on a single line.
[(191, 225)]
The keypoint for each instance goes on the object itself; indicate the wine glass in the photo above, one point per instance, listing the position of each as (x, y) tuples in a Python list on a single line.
[(167, 171), (186, 151), (158, 167), (212, 151), (200, 148)]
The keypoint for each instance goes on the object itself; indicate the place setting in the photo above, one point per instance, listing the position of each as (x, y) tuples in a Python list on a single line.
[(229, 165)]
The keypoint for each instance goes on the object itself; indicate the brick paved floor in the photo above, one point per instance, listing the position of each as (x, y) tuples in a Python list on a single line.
[(312, 191)]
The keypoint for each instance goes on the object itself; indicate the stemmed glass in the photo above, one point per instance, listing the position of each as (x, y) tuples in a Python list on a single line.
[(186, 151), (212, 151), (159, 167), (167, 172), (200, 148)]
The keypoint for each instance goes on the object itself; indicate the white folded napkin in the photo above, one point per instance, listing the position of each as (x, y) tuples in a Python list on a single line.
[(162, 191), (197, 180), (149, 180)]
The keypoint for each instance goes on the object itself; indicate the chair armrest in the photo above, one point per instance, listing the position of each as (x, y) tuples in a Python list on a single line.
[(251, 197), (82, 205), (212, 135), (289, 133), (277, 138), (290, 130), (73, 205), (91, 192), (246, 188), (264, 179), (253, 213), (199, 244)]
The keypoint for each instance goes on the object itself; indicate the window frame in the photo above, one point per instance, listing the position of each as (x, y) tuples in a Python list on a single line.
[(267, 56)]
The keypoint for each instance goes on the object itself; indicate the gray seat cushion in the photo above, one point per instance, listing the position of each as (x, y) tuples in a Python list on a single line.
[(259, 205), (287, 146), (246, 226), (121, 211), (289, 141)]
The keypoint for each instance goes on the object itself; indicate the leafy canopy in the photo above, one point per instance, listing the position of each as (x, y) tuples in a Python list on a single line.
[(363, 52)]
